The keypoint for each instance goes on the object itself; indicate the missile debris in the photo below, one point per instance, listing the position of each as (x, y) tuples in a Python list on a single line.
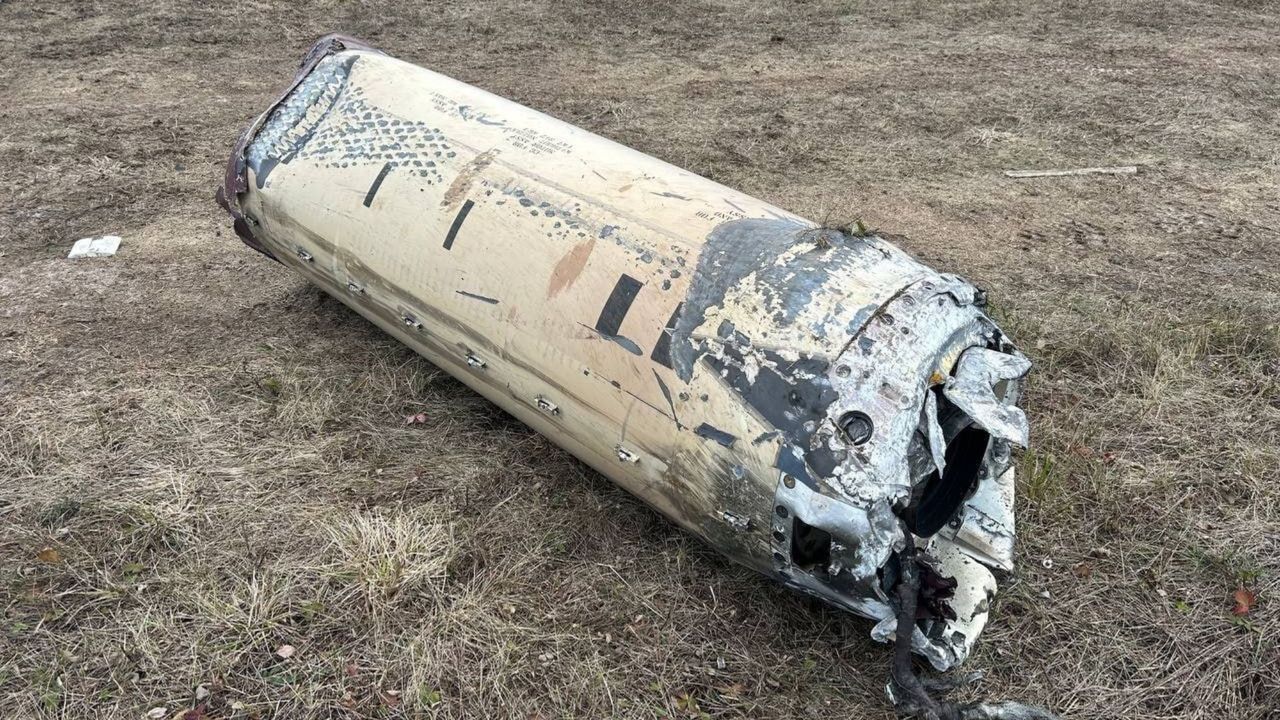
[(1114, 170), (90, 247), (813, 402)]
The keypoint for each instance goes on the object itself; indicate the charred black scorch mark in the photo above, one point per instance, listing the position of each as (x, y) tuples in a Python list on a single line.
[(792, 395), (733, 251)]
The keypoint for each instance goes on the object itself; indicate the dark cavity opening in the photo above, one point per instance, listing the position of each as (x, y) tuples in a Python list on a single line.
[(810, 546), (939, 497)]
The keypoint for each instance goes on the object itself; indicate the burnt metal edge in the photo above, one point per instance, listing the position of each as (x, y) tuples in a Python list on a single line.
[(236, 180)]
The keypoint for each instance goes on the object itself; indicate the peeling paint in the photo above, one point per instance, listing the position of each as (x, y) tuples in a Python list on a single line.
[(569, 267), (462, 182), (714, 433)]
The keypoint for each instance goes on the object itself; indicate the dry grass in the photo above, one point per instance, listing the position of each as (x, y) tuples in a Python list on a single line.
[(218, 454)]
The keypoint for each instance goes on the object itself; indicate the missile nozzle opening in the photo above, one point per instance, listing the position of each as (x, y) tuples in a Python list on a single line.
[(937, 499)]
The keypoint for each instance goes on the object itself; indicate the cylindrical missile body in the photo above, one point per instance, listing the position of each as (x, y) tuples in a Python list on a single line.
[(798, 396)]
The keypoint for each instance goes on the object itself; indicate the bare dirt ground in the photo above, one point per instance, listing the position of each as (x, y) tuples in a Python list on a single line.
[(203, 459)]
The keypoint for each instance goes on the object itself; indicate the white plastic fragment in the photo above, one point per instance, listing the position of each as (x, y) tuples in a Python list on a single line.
[(100, 246)]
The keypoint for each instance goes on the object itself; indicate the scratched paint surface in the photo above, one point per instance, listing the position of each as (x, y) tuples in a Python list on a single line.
[(694, 344)]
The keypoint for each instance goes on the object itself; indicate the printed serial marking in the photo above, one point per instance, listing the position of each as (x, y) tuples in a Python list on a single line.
[(377, 183), (457, 223)]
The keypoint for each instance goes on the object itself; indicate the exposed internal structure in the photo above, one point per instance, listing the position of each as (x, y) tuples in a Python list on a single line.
[(806, 399)]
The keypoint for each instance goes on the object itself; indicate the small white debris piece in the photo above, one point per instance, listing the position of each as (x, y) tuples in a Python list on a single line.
[(1117, 170), (157, 712), (101, 246)]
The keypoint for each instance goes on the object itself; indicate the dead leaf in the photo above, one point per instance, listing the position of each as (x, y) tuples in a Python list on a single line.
[(352, 669), (286, 651), (157, 712), (348, 700), (1082, 570), (415, 419), (736, 690), (687, 704), (391, 698), (1245, 600), (49, 555)]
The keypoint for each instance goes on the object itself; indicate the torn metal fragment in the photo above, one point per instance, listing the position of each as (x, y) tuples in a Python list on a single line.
[(933, 432), (795, 395), (973, 389)]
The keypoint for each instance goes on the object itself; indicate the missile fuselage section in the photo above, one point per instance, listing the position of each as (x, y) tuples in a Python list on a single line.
[(798, 396)]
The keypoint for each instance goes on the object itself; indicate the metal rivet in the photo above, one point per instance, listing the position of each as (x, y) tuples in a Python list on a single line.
[(781, 510), (546, 406), (788, 481)]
